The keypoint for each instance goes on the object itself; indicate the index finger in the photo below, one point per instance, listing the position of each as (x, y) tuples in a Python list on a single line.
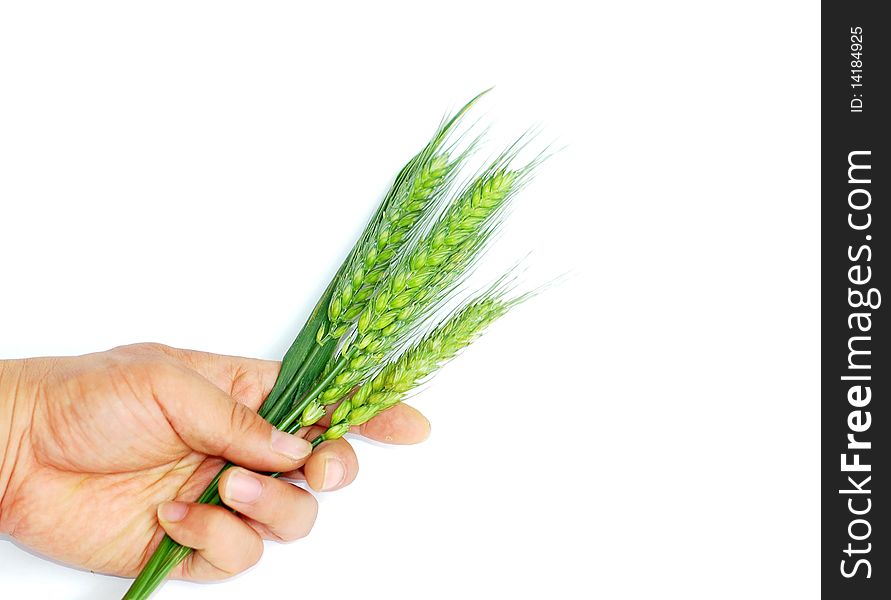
[(399, 424)]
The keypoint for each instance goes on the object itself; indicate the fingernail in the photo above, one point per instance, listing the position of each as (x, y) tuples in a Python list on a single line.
[(242, 487), (289, 445), (333, 475), (172, 512)]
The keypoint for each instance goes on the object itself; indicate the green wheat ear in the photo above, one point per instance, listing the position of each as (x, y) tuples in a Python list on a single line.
[(421, 359), (422, 278), (413, 198), (377, 253)]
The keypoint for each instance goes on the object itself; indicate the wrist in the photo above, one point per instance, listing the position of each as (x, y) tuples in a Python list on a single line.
[(12, 426)]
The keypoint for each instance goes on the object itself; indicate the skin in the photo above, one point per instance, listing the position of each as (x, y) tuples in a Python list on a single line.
[(101, 454)]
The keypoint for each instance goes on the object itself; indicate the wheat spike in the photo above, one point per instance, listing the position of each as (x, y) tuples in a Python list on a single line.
[(421, 278), (378, 250), (420, 361), (414, 196)]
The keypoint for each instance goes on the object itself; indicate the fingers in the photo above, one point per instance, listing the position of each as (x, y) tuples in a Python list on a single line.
[(276, 509), (211, 422), (400, 424), (224, 544), (332, 466)]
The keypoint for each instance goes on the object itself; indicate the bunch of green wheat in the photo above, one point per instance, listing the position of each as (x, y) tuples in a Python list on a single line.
[(364, 345)]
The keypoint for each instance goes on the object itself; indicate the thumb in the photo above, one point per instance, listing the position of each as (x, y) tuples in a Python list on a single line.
[(210, 421)]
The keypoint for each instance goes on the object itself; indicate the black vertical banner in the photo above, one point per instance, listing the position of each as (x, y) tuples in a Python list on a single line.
[(856, 271)]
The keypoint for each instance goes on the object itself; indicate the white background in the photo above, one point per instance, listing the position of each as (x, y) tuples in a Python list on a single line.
[(193, 172)]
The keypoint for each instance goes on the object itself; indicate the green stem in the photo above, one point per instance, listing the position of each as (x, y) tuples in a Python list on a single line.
[(289, 420), (293, 384)]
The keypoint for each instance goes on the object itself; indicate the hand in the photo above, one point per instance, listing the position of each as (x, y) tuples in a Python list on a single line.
[(99, 444)]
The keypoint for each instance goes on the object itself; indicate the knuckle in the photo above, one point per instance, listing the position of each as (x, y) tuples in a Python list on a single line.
[(305, 519), (145, 357), (301, 523), (246, 383), (157, 368), (293, 518), (240, 418), (232, 558), (142, 348), (252, 553)]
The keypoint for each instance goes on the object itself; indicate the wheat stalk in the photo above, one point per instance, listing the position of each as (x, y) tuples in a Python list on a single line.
[(418, 282), (411, 199), (436, 262), (413, 253)]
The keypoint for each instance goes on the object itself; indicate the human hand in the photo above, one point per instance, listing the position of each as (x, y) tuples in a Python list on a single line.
[(97, 445)]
